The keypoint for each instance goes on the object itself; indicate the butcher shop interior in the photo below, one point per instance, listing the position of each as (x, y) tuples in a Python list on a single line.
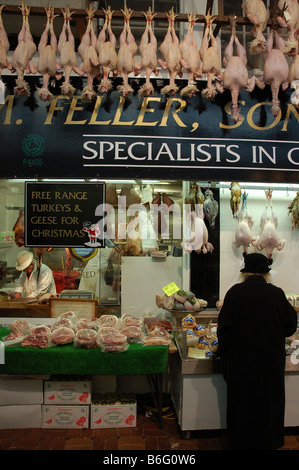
[(146, 148)]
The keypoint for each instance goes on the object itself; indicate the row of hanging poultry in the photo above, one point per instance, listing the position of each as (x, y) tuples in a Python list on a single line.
[(100, 59), (205, 207)]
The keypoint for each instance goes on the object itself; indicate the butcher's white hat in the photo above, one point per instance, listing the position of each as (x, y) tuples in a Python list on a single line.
[(24, 258)]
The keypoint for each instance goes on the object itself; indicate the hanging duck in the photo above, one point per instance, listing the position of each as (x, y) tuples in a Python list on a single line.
[(210, 207)]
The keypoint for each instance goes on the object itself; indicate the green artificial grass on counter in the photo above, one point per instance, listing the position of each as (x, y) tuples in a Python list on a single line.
[(67, 359)]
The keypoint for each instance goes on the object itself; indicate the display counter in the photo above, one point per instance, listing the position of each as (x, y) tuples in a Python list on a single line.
[(137, 359), (198, 389)]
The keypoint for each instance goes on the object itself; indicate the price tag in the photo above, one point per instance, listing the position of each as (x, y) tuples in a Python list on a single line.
[(171, 289)]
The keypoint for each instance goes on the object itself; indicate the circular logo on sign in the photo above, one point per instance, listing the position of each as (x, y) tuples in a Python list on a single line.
[(33, 145)]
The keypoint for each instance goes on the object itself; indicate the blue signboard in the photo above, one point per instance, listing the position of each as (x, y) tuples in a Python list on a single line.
[(149, 137)]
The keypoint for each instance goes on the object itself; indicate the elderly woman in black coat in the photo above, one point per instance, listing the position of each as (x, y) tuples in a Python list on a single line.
[(253, 323)]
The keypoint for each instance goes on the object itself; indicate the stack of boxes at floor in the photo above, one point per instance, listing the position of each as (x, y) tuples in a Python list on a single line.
[(69, 404)]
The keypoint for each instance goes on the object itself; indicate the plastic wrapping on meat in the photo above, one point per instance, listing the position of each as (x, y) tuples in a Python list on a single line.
[(41, 329), (86, 323), (63, 322), (109, 339), (159, 331), (155, 341), (133, 333), (21, 326), (129, 320), (63, 335), (108, 320), (152, 322), (70, 315), (86, 338), (13, 339), (37, 340)]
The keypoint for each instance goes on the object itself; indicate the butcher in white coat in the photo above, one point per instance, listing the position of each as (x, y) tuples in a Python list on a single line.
[(33, 282)]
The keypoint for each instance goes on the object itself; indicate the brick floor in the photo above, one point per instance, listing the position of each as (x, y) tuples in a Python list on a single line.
[(147, 435)]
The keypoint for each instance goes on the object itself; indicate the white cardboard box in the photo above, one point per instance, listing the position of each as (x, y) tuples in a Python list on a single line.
[(67, 392), (20, 391), (113, 416), (20, 416), (67, 417)]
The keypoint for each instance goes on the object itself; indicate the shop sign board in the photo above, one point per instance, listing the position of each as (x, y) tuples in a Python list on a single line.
[(149, 137), (68, 214)]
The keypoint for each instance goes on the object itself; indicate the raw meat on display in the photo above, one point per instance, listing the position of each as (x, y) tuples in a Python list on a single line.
[(148, 51), (66, 50), (38, 340), (133, 333), (107, 53), (86, 338), (89, 57), (63, 335), (170, 49), (190, 59), (47, 64), (20, 326)]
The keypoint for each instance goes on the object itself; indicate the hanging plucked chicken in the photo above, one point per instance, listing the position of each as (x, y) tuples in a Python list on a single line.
[(22, 56), (256, 12), (170, 49), (268, 239), (190, 59), (4, 45), (66, 50), (276, 68), (125, 58), (235, 76), (148, 51), (89, 56), (105, 47), (47, 64), (211, 63)]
